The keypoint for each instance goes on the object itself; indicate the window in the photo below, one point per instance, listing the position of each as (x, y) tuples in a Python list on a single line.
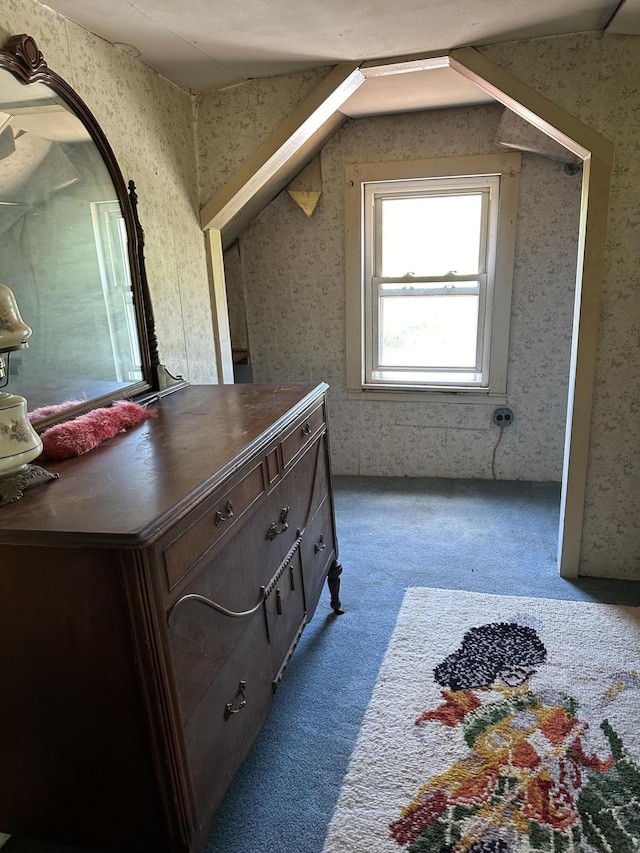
[(429, 268), (111, 245)]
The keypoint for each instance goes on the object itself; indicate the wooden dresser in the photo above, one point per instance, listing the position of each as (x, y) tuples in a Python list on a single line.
[(150, 600)]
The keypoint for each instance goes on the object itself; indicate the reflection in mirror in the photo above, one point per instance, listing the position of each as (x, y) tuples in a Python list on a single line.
[(71, 249), (63, 252)]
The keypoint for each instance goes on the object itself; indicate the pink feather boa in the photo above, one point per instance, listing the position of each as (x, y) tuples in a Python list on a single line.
[(78, 436), (45, 411)]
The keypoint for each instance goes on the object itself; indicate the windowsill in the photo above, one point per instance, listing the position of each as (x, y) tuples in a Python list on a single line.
[(445, 396)]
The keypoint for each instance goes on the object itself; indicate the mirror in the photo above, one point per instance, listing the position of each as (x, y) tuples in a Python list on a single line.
[(71, 248)]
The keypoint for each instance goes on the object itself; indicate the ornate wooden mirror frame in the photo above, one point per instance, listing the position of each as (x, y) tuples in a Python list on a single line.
[(22, 58)]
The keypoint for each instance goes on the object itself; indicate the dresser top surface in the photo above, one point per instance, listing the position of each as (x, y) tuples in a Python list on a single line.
[(126, 491)]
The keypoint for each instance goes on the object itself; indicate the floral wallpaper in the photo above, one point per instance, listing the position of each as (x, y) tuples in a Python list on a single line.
[(233, 122), (595, 77), (150, 124), (291, 271)]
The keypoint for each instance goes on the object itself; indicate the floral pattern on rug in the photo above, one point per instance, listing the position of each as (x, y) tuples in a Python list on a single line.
[(531, 782)]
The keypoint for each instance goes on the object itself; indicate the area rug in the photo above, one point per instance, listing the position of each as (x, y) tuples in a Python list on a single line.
[(498, 724)]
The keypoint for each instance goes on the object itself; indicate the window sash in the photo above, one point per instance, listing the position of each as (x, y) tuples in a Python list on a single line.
[(449, 285), (378, 288), (430, 368), (376, 193)]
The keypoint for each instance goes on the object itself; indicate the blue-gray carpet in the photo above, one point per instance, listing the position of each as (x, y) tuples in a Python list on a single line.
[(487, 536)]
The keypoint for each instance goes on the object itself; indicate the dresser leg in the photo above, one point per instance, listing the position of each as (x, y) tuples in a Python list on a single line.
[(333, 582)]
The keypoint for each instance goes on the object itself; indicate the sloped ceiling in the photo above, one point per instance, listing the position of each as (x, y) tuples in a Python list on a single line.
[(202, 45)]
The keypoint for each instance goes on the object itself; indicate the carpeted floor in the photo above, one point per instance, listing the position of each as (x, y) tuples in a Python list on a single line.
[(485, 536), (498, 724)]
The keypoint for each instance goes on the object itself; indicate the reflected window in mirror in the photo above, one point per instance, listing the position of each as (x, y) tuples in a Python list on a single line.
[(111, 246)]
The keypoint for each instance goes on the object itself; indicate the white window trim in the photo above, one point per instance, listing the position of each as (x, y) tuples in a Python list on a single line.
[(507, 166)]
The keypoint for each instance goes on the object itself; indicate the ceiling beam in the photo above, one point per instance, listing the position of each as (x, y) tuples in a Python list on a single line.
[(282, 155), (530, 104), (405, 64)]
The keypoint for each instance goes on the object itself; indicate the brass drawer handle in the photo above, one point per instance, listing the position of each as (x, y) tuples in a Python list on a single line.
[(224, 516), (320, 544), (306, 429), (229, 710), (273, 530), (193, 596)]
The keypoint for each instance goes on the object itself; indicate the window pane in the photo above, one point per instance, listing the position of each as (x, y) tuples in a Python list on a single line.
[(428, 331), (431, 235)]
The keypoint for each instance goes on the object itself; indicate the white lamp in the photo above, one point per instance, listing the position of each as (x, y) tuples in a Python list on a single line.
[(19, 442)]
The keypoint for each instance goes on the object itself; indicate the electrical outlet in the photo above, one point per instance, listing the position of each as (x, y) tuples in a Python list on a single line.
[(503, 417)]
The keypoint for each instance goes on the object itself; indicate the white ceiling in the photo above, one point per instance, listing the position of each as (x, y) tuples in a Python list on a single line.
[(207, 44), (417, 90)]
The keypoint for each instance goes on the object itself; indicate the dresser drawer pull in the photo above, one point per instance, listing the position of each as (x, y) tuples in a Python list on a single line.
[(235, 614), (292, 578), (306, 429), (320, 544), (224, 516), (273, 530), (278, 602), (229, 710)]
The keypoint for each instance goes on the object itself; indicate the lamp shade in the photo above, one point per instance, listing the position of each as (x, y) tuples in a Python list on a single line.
[(13, 330), (19, 442)]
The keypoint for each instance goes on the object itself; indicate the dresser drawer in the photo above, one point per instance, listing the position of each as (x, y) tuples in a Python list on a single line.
[(229, 715), (201, 639), (320, 477), (318, 551), (197, 534), (285, 611), (302, 434), (282, 517), (209, 618)]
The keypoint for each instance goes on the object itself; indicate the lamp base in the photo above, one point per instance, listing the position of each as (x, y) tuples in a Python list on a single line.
[(13, 485)]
